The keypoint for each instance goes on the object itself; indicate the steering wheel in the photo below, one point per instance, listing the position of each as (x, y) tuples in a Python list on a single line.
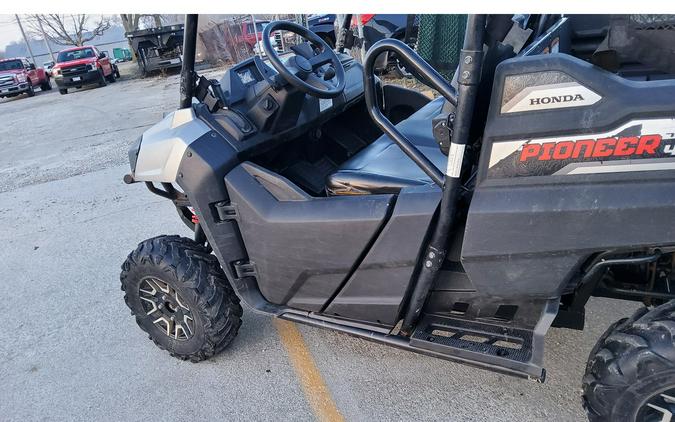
[(301, 69)]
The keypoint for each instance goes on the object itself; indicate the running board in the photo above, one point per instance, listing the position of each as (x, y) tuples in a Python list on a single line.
[(500, 346), (417, 346)]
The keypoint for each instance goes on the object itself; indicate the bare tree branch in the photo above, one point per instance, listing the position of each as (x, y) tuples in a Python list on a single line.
[(69, 29), (132, 22)]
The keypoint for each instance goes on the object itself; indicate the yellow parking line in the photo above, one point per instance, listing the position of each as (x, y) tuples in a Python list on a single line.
[(312, 382)]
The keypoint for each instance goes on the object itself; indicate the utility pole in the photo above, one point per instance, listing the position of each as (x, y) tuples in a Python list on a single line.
[(44, 37), (30, 50)]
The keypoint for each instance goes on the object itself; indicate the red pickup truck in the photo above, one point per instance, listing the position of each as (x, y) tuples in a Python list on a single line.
[(79, 66), (248, 33), (18, 75)]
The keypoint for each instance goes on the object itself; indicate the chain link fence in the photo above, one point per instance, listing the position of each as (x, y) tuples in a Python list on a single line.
[(439, 41)]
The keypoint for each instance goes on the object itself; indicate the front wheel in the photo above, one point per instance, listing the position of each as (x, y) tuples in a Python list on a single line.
[(630, 374), (179, 295)]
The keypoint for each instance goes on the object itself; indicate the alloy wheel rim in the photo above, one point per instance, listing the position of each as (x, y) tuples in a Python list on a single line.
[(166, 308), (659, 408)]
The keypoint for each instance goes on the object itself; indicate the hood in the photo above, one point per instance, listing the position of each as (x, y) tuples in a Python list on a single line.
[(88, 60)]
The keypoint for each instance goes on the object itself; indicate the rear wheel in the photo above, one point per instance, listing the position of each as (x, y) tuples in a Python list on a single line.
[(46, 85), (111, 77), (180, 297), (63, 91), (630, 374), (31, 89), (101, 78)]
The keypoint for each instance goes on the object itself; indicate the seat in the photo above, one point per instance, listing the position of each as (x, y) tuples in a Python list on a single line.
[(382, 167)]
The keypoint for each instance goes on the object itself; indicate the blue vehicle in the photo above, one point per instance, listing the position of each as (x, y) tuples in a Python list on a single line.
[(375, 28)]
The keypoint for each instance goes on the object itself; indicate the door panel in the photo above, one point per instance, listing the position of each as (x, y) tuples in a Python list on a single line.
[(302, 247)]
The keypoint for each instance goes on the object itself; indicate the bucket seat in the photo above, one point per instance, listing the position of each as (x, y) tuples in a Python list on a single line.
[(382, 167)]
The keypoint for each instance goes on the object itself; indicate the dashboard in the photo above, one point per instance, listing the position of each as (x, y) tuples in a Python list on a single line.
[(246, 76), (261, 108)]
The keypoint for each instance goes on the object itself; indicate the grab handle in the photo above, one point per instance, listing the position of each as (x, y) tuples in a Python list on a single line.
[(429, 76)]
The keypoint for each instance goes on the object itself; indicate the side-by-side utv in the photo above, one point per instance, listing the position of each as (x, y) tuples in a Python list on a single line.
[(462, 227)]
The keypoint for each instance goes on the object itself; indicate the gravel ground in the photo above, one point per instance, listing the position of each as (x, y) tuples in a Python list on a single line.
[(69, 350)]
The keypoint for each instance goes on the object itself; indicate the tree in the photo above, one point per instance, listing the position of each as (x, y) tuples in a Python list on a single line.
[(132, 22), (69, 29)]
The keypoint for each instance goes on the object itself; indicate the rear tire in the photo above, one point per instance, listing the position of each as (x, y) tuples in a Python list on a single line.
[(46, 85), (31, 89), (631, 370), (111, 77), (101, 78), (63, 91), (180, 265)]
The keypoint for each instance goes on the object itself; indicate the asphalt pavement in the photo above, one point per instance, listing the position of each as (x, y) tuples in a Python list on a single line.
[(70, 350)]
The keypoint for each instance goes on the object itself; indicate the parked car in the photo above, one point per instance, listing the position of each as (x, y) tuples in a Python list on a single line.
[(375, 28), (48, 67), (80, 66), (18, 75), (323, 26)]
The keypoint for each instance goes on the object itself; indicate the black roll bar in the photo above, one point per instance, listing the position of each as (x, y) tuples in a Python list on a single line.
[(428, 75), (470, 65), (187, 72)]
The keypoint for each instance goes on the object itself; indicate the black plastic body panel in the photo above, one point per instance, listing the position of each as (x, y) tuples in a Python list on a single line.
[(200, 175), (377, 288), (527, 236), (302, 248)]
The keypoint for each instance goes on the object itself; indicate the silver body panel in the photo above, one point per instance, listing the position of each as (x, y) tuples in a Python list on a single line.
[(164, 144)]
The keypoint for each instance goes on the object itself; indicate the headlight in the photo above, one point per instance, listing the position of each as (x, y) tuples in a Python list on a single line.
[(55, 71), (21, 78)]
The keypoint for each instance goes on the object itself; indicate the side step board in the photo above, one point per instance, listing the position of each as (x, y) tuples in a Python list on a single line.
[(495, 346), (510, 351)]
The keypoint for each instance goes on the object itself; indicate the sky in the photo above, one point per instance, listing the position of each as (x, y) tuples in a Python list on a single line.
[(9, 30)]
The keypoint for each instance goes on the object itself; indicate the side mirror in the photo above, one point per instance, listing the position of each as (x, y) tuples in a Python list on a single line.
[(102, 56), (31, 66)]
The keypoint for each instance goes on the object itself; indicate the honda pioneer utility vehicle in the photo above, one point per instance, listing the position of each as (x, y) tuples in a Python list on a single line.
[(461, 228)]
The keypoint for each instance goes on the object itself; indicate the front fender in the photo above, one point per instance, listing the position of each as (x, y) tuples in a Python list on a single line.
[(163, 145)]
